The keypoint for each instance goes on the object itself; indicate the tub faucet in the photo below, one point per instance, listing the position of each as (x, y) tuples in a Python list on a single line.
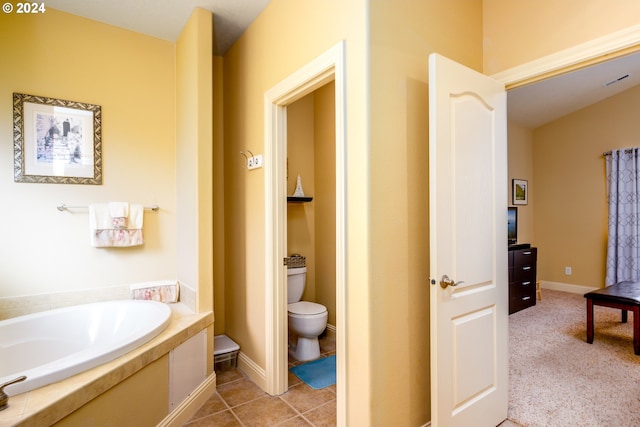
[(4, 399)]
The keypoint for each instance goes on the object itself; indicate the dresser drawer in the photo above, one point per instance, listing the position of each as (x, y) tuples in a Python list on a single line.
[(523, 288), (525, 257), (525, 273), (520, 303)]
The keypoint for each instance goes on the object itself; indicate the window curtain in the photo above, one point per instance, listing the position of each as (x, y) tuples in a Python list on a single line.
[(623, 184)]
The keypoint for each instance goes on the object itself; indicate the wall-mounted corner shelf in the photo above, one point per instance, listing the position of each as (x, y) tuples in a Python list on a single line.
[(296, 199)]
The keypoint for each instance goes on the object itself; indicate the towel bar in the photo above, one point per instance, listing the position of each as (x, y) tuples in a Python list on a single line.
[(63, 207)]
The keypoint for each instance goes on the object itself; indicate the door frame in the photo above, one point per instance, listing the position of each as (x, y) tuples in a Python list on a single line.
[(586, 54), (595, 51), (330, 66)]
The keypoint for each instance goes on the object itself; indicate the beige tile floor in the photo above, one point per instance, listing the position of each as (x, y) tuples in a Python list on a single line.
[(239, 402)]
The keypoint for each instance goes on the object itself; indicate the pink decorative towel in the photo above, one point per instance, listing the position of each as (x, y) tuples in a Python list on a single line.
[(167, 291), (119, 212), (120, 231)]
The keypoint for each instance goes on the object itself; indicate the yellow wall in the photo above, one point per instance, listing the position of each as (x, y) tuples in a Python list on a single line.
[(194, 156), (325, 202), (520, 152), (301, 217), (569, 171), (287, 35), (219, 301), (132, 76), (402, 36), (516, 32)]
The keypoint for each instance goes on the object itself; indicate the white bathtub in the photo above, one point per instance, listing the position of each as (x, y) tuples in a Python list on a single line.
[(52, 345)]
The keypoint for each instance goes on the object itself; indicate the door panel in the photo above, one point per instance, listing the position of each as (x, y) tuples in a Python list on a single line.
[(468, 233), (468, 331)]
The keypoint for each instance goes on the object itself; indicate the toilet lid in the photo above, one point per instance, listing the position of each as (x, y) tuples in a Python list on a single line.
[(306, 307)]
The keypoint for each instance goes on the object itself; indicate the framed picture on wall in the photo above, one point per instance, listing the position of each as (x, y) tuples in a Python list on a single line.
[(520, 192), (56, 141)]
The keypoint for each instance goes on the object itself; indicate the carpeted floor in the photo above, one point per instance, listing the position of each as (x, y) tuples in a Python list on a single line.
[(557, 379)]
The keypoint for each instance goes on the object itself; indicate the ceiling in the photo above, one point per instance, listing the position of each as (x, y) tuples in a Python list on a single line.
[(543, 102), (531, 106), (166, 18)]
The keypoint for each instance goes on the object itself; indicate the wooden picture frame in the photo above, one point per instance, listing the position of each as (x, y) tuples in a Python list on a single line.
[(56, 141)]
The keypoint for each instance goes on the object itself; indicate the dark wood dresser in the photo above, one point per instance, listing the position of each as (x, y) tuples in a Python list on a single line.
[(522, 278)]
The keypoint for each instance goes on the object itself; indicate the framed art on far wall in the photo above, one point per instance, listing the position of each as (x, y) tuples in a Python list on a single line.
[(56, 141), (520, 192)]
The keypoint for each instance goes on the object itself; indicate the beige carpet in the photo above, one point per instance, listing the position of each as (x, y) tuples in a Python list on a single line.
[(557, 379)]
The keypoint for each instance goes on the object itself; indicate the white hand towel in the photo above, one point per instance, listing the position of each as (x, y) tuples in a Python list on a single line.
[(105, 233), (119, 209), (99, 216), (136, 216)]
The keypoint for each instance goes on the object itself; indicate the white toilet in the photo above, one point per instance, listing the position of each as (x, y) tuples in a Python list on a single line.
[(307, 320)]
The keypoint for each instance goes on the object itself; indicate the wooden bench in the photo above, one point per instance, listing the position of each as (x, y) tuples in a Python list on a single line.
[(624, 296)]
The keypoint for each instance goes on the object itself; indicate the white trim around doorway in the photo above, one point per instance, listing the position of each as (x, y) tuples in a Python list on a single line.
[(591, 52), (330, 66)]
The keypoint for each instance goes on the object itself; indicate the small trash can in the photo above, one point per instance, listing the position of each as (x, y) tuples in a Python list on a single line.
[(225, 353)]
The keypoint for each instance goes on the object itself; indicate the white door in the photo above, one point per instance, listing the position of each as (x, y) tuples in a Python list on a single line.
[(468, 253)]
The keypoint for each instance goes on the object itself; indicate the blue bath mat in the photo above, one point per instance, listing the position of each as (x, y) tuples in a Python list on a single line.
[(319, 373)]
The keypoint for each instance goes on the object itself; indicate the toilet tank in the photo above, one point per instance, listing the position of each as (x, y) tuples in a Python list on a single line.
[(296, 278)]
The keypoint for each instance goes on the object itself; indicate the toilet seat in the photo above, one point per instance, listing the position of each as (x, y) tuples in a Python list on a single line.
[(306, 308)]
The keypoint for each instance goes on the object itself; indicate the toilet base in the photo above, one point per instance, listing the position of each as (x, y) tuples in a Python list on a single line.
[(306, 349)]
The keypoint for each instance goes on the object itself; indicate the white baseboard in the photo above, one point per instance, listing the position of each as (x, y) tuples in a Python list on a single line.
[(331, 331), (190, 405), (253, 370), (257, 374), (566, 287)]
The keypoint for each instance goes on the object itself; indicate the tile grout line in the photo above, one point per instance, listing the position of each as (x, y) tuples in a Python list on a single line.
[(295, 410), (317, 407), (226, 408), (229, 408)]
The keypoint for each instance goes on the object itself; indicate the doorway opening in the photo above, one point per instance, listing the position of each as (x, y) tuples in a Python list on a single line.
[(311, 216), (542, 72), (329, 67)]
